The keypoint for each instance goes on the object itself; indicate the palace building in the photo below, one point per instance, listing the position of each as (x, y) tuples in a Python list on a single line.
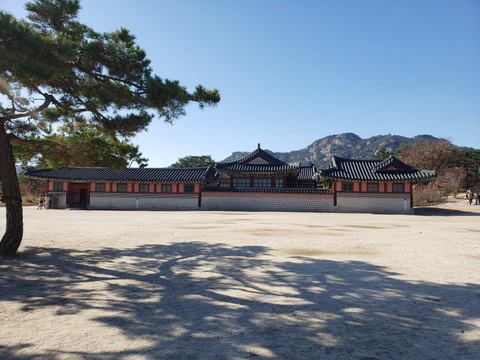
[(256, 182)]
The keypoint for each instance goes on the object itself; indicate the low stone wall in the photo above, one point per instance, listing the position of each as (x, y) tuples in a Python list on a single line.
[(292, 200), (373, 203), (145, 201)]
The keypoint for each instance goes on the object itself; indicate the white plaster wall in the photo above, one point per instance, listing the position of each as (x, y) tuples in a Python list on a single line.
[(259, 203), (346, 202), (61, 198), (376, 203), (145, 201)]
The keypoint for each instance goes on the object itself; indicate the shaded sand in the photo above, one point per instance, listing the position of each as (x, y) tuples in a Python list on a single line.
[(226, 285)]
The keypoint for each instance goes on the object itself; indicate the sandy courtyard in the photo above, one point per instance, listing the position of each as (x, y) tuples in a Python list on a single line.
[(236, 285)]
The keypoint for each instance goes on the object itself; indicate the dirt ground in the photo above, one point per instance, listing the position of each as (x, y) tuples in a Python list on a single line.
[(236, 285)]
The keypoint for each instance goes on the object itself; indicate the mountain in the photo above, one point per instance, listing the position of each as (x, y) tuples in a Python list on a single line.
[(347, 145)]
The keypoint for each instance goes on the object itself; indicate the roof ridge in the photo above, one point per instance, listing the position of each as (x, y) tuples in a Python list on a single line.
[(258, 151)]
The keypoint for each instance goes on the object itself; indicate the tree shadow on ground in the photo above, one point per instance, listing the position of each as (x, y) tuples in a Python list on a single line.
[(194, 300), (426, 211)]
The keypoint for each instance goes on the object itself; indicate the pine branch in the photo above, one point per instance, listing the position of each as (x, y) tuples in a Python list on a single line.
[(102, 77), (30, 143), (48, 100)]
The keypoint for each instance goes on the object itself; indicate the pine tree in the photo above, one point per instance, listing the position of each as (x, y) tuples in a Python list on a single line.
[(193, 161), (71, 95)]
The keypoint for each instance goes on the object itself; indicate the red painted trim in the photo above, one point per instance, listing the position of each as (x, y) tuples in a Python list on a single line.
[(371, 192)]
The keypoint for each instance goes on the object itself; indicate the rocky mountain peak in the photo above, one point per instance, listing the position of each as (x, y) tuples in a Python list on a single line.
[(347, 145)]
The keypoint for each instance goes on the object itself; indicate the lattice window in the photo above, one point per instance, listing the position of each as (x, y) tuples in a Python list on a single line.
[(372, 187), (399, 187), (262, 182), (166, 188), (241, 182)]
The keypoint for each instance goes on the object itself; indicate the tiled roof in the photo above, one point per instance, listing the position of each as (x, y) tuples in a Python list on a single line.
[(146, 175), (256, 168), (243, 165), (374, 170), (256, 153), (391, 161), (221, 176), (306, 173)]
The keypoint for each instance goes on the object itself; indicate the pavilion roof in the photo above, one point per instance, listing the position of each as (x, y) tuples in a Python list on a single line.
[(390, 169), (306, 173), (258, 161), (258, 152)]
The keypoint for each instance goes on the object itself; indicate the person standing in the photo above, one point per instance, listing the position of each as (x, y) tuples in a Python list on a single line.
[(470, 197), (47, 202)]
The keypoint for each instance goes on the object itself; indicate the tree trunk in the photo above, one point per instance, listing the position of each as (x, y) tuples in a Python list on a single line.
[(11, 197)]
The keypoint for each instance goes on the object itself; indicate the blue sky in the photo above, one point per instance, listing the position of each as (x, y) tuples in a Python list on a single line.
[(291, 72)]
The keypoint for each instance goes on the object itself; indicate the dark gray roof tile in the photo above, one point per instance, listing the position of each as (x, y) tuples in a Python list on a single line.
[(306, 173), (146, 175), (243, 165), (256, 153), (256, 168), (374, 170)]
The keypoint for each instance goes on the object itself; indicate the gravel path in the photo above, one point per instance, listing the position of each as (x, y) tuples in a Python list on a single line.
[(236, 285)]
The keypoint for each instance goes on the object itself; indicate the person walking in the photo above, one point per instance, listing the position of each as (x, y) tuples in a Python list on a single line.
[(41, 202), (477, 198)]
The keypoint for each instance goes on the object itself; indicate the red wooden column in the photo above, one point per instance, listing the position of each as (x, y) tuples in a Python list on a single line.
[(334, 193), (200, 197), (411, 195)]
